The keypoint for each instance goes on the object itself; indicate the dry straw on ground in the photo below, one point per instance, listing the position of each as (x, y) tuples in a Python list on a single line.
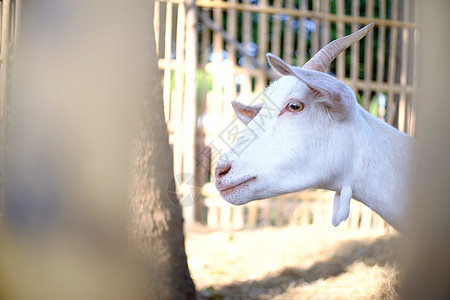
[(294, 263)]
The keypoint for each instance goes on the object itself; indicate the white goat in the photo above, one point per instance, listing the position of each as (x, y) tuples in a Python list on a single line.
[(311, 133)]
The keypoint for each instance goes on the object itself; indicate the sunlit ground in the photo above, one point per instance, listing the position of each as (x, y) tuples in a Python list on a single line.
[(315, 262)]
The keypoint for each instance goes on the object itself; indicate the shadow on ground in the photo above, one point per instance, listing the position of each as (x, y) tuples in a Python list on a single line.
[(381, 252)]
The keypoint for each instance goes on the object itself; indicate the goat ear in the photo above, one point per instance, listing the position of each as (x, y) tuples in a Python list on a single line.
[(335, 94), (246, 113), (278, 64)]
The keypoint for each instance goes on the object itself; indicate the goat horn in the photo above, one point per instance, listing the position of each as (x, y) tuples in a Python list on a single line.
[(322, 59)]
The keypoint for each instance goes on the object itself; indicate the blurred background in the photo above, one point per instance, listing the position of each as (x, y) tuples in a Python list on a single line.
[(114, 114)]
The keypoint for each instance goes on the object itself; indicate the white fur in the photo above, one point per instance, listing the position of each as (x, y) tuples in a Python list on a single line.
[(332, 144)]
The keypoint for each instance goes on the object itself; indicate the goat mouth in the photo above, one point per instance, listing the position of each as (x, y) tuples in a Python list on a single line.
[(228, 189)]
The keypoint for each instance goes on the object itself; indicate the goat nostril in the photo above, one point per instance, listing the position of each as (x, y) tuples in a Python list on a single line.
[(222, 170)]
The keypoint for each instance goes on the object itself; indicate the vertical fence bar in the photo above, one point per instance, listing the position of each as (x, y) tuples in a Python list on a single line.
[(265, 208), (216, 99), (5, 31), (252, 214), (412, 127), (1, 22), (325, 27), (247, 39), (216, 63), (238, 217), (325, 36), (167, 70), (17, 22), (231, 29), (276, 31), (392, 66), (178, 103), (12, 25), (305, 212), (340, 63), (355, 215), (288, 35), (366, 218), (262, 46), (354, 69), (190, 105), (281, 202), (225, 215), (212, 219), (246, 87), (404, 70), (204, 58), (156, 26), (237, 211), (301, 42), (368, 58), (316, 31), (381, 51)]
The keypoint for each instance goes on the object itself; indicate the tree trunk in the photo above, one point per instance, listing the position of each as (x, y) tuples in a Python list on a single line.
[(156, 224)]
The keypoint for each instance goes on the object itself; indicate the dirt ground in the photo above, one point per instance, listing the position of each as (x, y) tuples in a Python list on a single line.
[(294, 263)]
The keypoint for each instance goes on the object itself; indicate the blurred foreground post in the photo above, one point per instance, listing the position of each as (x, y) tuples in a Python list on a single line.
[(428, 271), (89, 166)]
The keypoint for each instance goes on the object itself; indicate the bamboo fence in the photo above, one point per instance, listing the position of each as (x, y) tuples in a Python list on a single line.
[(212, 52)]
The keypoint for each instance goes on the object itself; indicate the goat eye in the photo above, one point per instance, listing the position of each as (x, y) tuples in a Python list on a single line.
[(295, 106)]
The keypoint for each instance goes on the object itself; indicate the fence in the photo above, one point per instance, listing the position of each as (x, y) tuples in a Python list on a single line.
[(9, 28), (214, 51)]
